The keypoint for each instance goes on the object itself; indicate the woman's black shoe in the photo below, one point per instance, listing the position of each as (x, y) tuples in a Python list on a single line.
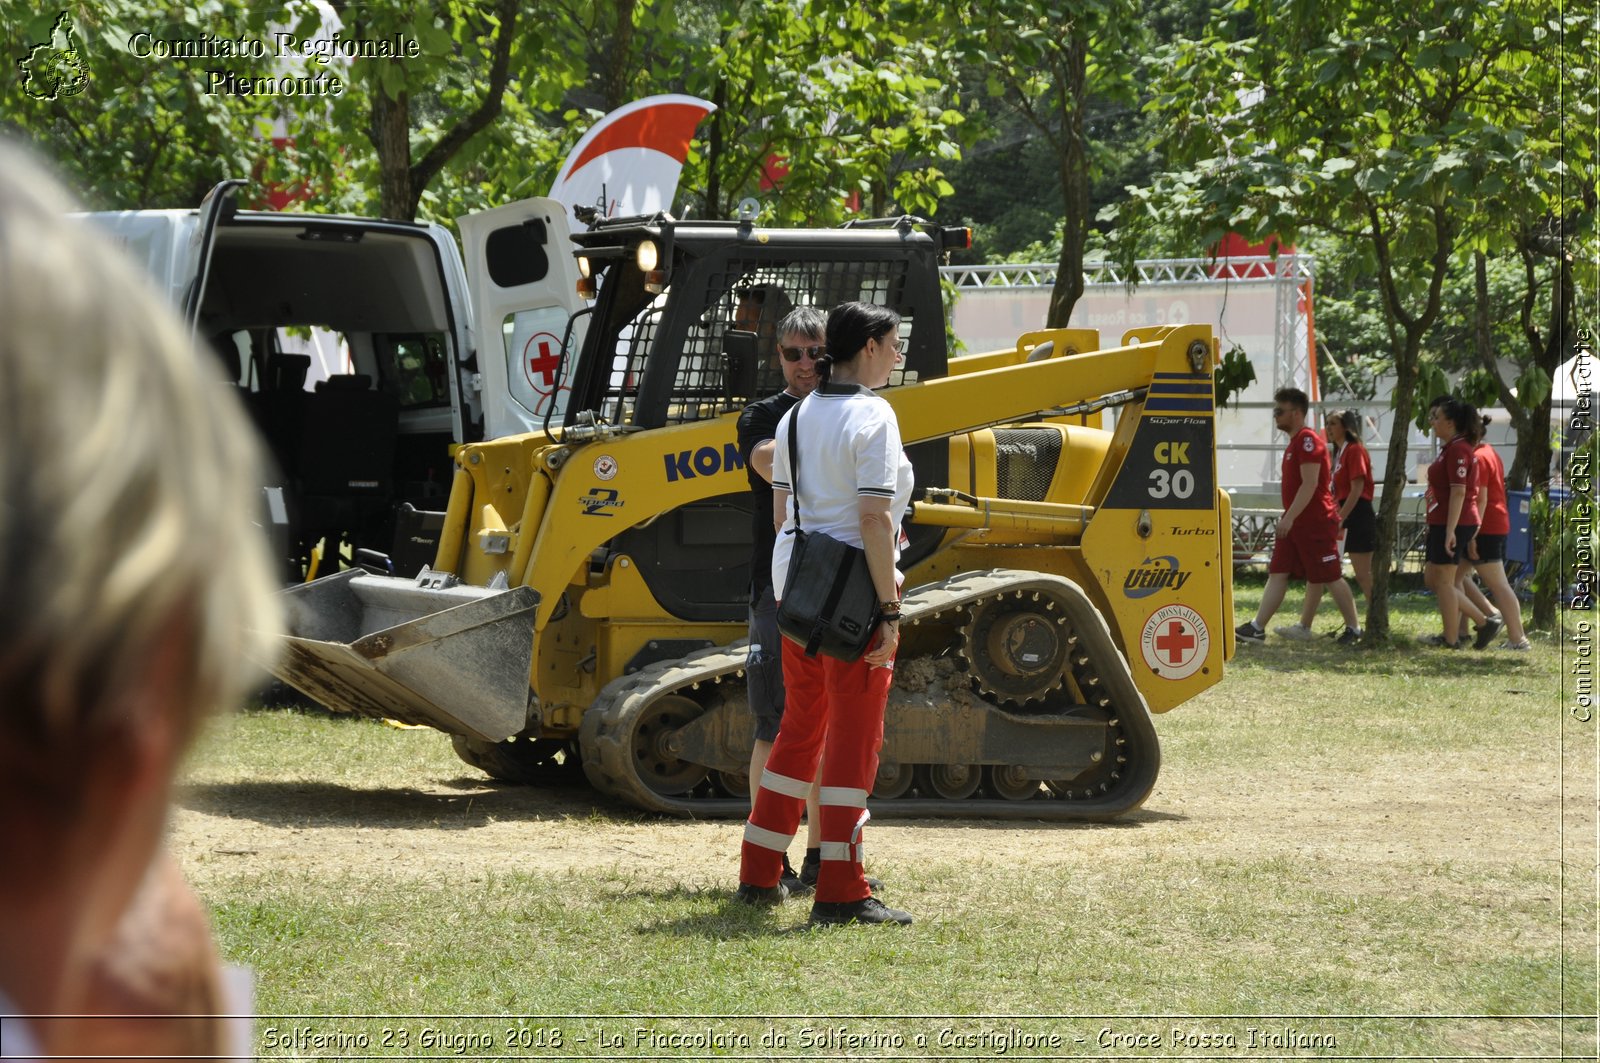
[(866, 910), (761, 896)]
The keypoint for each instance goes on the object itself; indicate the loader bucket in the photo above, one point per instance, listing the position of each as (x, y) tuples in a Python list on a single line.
[(451, 657)]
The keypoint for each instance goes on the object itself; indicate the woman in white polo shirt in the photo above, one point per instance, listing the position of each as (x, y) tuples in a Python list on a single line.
[(855, 483)]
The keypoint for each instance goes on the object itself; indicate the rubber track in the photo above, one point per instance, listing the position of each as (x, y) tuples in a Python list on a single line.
[(606, 732)]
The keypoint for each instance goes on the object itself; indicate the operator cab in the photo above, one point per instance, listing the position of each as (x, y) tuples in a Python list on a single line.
[(682, 328), (684, 323)]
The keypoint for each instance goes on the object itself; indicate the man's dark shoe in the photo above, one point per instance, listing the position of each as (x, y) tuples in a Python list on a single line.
[(866, 910), (1248, 632), (811, 867), (1487, 631), (1351, 637), (791, 881), (761, 896)]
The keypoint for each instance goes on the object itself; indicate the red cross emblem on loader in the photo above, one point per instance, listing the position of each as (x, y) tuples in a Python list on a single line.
[(1175, 642)]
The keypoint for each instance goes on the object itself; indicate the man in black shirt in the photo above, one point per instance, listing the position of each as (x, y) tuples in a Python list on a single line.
[(800, 344)]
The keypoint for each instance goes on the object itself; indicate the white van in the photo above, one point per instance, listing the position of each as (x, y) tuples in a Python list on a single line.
[(353, 343)]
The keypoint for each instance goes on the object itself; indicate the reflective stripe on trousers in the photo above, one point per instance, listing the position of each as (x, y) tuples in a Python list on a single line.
[(833, 712)]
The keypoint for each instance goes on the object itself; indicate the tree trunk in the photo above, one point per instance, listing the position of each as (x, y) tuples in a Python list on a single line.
[(1562, 335), (474, 122), (1483, 344), (616, 75), (1394, 481), (714, 152), (391, 137), (1072, 79), (1414, 328)]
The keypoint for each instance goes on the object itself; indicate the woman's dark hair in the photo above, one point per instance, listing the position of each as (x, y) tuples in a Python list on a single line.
[(1350, 421), (1464, 416), (850, 326)]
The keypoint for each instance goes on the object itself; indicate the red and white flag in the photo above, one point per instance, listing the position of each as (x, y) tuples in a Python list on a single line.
[(630, 161)]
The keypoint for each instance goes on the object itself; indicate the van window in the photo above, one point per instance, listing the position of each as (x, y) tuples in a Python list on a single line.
[(421, 370)]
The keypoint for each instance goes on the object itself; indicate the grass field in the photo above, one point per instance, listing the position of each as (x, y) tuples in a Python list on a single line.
[(1349, 854)]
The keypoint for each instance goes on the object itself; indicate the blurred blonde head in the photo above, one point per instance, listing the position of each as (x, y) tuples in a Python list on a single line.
[(128, 489)]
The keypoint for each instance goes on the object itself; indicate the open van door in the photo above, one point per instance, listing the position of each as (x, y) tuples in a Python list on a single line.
[(218, 206), (523, 279)]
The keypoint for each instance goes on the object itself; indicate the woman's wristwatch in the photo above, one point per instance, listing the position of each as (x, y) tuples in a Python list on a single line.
[(889, 611)]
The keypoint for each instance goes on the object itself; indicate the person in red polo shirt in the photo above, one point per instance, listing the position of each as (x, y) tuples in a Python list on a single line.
[(1488, 554), (1307, 542), (1352, 493), (1452, 510)]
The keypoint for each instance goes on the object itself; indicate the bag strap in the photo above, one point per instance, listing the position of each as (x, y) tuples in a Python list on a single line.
[(832, 601), (794, 460)]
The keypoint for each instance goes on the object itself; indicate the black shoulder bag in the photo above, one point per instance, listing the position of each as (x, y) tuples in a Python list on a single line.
[(829, 603)]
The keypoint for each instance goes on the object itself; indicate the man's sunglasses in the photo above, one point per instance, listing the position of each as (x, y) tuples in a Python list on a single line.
[(792, 354)]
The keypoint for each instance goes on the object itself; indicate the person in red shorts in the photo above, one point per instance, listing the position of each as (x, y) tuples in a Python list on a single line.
[(1452, 510), (1307, 543), (1352, 493), (1488, 554)]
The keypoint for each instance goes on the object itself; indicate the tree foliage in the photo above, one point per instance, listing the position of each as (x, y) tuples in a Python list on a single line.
[(142, 130), (1051, 64), (474, 98), (826, 108), (1409, 129), (820, 105)]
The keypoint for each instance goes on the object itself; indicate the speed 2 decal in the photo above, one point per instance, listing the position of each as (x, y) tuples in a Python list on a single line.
[(600, 501)]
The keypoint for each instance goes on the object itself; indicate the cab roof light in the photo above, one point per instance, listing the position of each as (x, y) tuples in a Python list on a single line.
[(647, 255), (956, 239)]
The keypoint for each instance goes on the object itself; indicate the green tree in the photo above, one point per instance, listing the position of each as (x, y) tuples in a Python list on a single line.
[(479, 107), (851, 101), (847, 98), (475, 58), (1052, 64), (1400, 127), (142, 130)]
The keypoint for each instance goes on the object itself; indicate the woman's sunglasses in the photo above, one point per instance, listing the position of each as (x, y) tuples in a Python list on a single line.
[(792, 354)]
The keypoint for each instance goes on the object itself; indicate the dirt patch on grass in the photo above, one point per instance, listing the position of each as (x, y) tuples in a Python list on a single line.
[(1417, 775), (454, 823)]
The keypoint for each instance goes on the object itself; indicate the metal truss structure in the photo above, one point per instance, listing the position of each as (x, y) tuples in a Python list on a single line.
[(1258, 268)]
